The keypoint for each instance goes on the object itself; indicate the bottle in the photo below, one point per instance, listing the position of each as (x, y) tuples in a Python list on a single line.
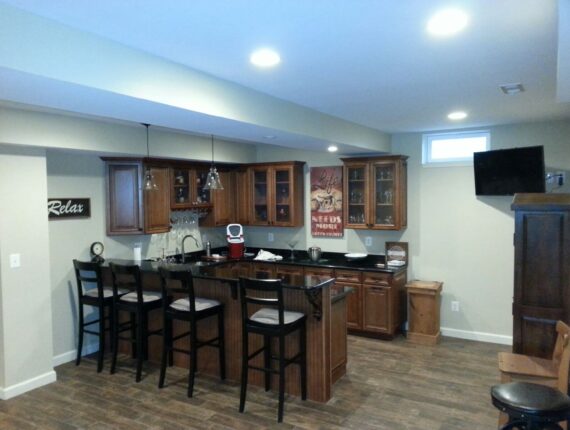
[(208, 249)]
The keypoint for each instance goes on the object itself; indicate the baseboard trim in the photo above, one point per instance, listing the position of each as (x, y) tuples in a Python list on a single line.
[(31, 384), (477, 335), (68, 356)]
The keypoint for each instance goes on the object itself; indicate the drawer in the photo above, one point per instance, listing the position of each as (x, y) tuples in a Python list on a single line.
[(377, 278), (348, 276), (318, 271)]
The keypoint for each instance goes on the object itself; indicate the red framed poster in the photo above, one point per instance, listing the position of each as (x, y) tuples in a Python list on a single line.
[(326, 201)]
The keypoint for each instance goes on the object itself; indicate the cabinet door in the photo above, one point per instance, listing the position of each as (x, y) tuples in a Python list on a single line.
[(157, 202), (353, 305), (261, 184), (199, 194), (264, 270), (124, 198), (180, 180), (243, 196), (376, 309), (223, 201), (356, 213), (282, 200), (384, 198)]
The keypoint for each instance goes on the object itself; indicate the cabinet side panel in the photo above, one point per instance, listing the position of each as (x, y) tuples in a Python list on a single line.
[(124, 204)]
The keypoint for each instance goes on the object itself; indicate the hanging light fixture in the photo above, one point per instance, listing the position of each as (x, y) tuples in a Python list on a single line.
[(213, 180), (149, 183)]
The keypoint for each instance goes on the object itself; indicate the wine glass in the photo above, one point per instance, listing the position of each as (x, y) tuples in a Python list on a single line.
[(291, 245)]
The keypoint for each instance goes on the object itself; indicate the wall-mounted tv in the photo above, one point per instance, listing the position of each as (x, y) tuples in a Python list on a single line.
[(505, 172)]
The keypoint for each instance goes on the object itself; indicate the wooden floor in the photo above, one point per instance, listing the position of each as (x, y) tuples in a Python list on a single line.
[(389, 385)]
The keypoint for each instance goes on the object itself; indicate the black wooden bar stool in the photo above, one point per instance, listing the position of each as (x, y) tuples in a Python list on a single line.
[(89, 274), (138, 304), (270, 321), (531, 406), (191, 309)]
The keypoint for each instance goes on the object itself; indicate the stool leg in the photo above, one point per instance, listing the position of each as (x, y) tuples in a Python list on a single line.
[(267, 361), (222, 344), (166, 351), (101, 351), (244, 370), (139, 341), (115, 339), (171, 352), (281, 378), (133, 335), (111, 323), (303, 364), (193, 357), (80, 339)]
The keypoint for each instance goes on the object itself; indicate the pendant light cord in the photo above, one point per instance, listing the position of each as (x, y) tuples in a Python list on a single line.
[(212, 150), (147, 147)]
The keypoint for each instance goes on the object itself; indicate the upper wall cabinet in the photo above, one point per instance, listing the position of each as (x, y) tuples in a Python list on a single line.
[(223, 202), (130, 209), (276, 194), (375, 192), (187, 188)]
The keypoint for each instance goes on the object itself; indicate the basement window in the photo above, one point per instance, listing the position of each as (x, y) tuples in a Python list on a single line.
[(453, 149)]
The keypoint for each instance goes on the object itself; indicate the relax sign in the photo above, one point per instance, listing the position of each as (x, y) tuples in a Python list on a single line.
[(69, 208)]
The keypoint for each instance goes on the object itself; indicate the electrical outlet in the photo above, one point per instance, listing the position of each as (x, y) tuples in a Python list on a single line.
[(14, 260), (368, 241), (270, 237), (560, 178), (455, 306)]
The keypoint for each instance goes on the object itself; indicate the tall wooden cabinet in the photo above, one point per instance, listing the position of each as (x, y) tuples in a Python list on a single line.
[(130, 209), (542, 271), (375, 192)]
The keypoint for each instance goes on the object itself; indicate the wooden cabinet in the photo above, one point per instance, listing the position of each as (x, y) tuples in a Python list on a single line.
[(352, 279), (187, 190), (376, 308), (243, 195), (130, 210), (375, 192), (223, 203), (276, 194), (542, 271)]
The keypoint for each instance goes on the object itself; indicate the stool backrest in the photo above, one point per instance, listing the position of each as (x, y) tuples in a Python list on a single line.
[(272, 296), (184, 279), (95, 277), (126, 277), (561, 355)]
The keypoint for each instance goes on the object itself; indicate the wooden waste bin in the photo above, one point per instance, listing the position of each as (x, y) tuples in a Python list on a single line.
[(423, 312)]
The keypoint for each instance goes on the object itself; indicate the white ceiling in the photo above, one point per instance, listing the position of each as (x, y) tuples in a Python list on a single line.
[(367, 61)]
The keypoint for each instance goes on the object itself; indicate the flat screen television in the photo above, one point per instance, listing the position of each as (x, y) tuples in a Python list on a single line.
[(505, 172)]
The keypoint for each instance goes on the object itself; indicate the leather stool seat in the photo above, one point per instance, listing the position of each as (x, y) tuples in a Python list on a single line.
[(532, 405)]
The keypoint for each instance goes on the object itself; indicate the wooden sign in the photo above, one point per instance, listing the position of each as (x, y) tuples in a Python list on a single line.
[(326, 201), (396, 253), (68, 208)]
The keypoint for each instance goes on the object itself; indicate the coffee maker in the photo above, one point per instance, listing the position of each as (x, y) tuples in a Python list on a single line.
[(234, 235)]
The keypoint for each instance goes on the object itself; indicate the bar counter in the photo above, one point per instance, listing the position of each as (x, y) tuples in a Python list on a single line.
[(326, 323)]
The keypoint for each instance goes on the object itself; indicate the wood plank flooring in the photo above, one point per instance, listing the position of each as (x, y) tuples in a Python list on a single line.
[(389, 386)]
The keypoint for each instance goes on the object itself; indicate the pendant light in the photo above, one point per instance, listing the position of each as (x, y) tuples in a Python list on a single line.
[(213, 180), (149, 183)]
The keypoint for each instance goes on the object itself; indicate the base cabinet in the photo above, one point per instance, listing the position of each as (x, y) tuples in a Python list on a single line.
[(376, 308)]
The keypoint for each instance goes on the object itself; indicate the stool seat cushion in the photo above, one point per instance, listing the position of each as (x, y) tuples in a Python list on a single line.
[(271, 316), (531, 399), (107, 292), (201, 304), (147, 297)]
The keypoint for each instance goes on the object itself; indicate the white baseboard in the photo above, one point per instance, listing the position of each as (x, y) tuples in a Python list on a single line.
[(68, 356), (478, 336), (22, 387)]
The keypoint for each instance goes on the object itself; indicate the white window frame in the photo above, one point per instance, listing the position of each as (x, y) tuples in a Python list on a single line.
[(427, 139)]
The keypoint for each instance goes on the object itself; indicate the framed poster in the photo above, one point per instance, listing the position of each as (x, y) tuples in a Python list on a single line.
[(68, 208), (326, 202), (396, 253)]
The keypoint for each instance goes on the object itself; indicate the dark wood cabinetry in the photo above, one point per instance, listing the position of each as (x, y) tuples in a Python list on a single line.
[(276, 194), (130, 210), (187, 188), (223, 211), (542, 271), (375, 192)]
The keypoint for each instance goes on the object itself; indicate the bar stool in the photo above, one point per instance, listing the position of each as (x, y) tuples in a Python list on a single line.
[(531, 406), (100, 298), (191, 309), (138, 304), (270, 321)]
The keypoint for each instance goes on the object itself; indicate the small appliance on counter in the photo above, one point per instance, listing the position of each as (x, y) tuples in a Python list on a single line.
[(234, 235)]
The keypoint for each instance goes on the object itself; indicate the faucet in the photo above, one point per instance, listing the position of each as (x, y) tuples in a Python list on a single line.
[(182, 244)]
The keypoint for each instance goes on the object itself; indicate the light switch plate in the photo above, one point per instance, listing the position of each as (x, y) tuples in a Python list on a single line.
[(368, 241), (14, 260), (270, 237)]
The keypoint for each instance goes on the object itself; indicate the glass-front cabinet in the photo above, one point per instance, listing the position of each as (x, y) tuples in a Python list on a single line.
[(187, 188), (277, 194), (376, 192)]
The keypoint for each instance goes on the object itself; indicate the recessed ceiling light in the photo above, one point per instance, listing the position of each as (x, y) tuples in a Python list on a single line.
[(447, 22), (510, 89), (265, 58), (455, 116), (332, 148), (270, 136)]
